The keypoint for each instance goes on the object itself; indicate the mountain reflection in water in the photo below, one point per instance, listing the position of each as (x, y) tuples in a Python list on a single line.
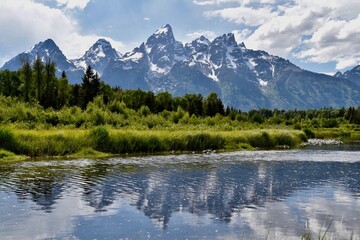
[(230, 196)]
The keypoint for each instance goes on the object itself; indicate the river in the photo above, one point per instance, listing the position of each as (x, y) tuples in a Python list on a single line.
[(240, 195)]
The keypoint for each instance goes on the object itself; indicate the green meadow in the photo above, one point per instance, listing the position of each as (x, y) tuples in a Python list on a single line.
[(45, 116)]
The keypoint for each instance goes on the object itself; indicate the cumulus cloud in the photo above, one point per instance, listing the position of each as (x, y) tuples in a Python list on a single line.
[(316, 31), (244, 15), (27, 23), (208, 34), (213, 2), (72, 4), (219, 2), (241, 35)]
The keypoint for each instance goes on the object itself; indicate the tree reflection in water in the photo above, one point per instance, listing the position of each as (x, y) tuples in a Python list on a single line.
[(232, 192)]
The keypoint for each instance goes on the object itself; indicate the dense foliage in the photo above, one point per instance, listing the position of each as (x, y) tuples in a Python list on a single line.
[(95, 103), (41, 114)]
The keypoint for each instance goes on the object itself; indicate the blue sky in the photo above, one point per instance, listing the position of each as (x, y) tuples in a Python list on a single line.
[(321, 35)]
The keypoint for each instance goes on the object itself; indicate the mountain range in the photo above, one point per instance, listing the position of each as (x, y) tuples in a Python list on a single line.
[(242, 78)]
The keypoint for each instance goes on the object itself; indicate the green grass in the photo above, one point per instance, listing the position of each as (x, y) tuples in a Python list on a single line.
[(89, 152), (69, 142), (6, 156)]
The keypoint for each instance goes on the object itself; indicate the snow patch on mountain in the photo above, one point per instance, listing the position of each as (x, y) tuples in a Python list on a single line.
[(263, 83), (134, 57), (163, 30)]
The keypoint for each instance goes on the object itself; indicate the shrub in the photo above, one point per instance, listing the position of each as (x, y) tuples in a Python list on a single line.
[(330, 123), (297, 126), (309, 133), (202, 141), (4, 154), (7, 140), (261, 140), (285, 139), (100, 138)]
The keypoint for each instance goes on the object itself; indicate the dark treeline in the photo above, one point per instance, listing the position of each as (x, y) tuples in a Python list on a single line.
[(38, 83)]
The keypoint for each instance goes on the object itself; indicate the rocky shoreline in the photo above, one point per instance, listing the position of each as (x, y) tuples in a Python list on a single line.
[(320, 142)]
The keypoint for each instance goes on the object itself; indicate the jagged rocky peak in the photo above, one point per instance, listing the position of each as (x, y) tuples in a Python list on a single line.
[(98, 56), (242, 46), (137, 55), (45, 49), (224, 49), (200, 44), (226, 39), (164, 30), (162, 36), (338, 74), (47, 44), (163, 50), (102, 48), (353, 75)]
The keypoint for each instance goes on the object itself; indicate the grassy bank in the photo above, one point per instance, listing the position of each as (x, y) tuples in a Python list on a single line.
[(83, 142)]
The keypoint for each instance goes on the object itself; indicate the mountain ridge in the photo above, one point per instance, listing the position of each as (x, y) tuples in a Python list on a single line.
[(243, 78)]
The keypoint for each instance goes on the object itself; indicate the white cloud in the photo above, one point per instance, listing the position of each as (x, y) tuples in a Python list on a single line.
[(219, 2), (208, 34), (72, 4), (244, 15), (335, 39), (316, 31), (241, 35), (27, 23), (146, 19), (282, 34), (213, 2)]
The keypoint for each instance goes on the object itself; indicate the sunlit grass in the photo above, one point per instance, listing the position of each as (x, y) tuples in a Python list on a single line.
[(65, 142), (7, 156)]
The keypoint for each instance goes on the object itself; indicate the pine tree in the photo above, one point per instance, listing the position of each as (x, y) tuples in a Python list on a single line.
[(195, 104), (90, 87), (26, 79), (163, 102), (95, 86), (10, 83), (50, 90), (213, 105), (74, 95), (150, 101), (38, 68), (63, 91)]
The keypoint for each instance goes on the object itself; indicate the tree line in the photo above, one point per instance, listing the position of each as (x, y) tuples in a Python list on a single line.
[(38, 83)]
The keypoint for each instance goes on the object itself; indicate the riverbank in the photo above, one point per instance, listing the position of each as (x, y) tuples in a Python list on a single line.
[(102, 141), (106, 141)]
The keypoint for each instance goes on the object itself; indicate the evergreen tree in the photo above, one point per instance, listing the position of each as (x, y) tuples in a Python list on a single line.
[(356, 118), (150, 101), (195, 104), (95, 85), (10, 83), (38, 68), (26, 79), (213, 105), (90, 87), (63, 95), (163, 102), (74, 95), (50, 86)]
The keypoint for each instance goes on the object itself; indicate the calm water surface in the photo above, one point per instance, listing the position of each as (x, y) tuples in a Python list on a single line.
[(243, 195)]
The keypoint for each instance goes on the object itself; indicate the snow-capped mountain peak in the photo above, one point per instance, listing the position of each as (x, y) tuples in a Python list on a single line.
[(242, 77), (46, 46), (162, 37), (164, 30), (352, 75), (226, 39), (99, 55), (200, 44)]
